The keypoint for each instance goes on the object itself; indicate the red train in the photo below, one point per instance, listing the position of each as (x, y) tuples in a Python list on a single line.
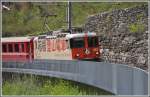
[(59, 47)]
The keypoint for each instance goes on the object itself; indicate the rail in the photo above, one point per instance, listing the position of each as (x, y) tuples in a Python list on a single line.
[(116, 78)]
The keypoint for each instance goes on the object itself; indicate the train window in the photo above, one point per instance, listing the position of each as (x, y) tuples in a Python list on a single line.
[(4, 48), (28, 47), (22, 47), (92, 41), (10, 48), (16, 47), (77, 42)]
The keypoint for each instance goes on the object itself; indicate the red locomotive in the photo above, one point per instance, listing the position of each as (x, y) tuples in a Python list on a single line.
[(59, 47), (84, 46)]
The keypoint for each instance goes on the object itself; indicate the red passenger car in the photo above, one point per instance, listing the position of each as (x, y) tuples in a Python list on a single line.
[(17, 49)]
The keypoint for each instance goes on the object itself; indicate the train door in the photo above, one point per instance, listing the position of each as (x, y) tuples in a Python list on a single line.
[(30, 51)]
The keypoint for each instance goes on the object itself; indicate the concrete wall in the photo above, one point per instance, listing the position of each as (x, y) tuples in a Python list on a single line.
[(116, 78)]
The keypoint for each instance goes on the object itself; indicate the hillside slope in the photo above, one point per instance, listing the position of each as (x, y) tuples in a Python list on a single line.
[(124, 32), (27, 18)]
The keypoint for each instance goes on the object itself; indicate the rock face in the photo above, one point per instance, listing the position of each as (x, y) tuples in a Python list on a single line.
[(124, 33)]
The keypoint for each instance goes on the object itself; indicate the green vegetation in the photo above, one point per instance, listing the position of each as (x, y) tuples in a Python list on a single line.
[(139, 16), (27, 18), (16, 84), (136, 27)]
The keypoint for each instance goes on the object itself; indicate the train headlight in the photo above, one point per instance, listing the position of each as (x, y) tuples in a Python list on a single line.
[(97, 53), (77, 55)]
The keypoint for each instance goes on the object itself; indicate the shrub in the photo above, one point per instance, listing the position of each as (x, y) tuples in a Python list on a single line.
[(38, 85), (136, 27)]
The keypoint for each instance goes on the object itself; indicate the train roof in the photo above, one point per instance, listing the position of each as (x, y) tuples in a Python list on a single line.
[(16, 39), (69, 36)]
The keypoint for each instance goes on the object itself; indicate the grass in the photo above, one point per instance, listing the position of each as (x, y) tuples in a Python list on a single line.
[(16, 84)]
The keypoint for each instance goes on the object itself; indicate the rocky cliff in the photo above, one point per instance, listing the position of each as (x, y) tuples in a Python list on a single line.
[(123, 35)]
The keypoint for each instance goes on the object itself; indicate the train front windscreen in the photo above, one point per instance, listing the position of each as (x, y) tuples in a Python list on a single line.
[(77, 42), (92, 41), (80, 42)]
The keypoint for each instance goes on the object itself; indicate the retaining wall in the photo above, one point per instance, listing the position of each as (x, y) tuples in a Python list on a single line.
[(116, 78)]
